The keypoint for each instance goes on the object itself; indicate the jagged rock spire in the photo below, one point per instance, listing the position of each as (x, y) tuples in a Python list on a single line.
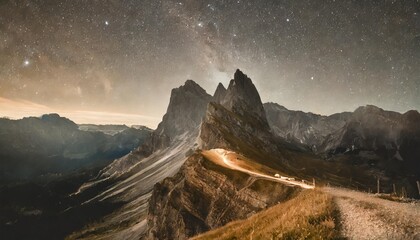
[(186, 108), (220, 93), (243, 98)]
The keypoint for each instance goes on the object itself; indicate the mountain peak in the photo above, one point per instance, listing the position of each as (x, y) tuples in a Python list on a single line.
[(186, 108), (239, 75), (368, 108), (54, 118), (220, 93), (241, 79), (191, 86), (243, 98)]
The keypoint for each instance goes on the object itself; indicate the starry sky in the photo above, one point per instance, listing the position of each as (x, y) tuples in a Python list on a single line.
[(115, 61)]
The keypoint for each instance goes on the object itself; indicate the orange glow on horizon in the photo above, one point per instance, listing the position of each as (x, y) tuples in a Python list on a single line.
[(17, 109)]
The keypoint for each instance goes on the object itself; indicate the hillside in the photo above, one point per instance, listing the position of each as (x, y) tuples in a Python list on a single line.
[(310, 215)]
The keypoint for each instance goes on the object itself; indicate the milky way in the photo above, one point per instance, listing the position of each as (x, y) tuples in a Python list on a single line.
[(124, 56)]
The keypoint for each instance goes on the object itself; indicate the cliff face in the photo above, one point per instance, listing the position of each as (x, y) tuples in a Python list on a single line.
[(237, 120), (219, 94), (186, 108), (128, 181), (203, 196), (179, 125), (222, 128), (242, 98)]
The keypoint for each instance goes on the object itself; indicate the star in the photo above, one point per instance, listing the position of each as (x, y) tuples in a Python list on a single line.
[(270, 40)]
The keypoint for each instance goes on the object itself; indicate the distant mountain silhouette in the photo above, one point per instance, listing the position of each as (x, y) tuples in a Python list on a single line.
[(51, 144)]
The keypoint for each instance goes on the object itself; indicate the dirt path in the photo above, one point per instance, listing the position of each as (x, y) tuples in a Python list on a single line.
[(226, 159), (364, 216)]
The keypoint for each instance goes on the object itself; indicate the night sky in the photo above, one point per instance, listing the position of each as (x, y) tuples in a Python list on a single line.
[(116, 61)]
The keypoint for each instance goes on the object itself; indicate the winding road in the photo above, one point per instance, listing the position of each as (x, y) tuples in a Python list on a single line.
[(224, 158)]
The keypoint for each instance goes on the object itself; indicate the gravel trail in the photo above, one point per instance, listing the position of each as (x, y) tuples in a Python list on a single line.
[(364, 216)]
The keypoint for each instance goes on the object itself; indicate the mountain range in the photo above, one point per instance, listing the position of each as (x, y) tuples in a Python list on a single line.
[(51, 144), (171, 186)]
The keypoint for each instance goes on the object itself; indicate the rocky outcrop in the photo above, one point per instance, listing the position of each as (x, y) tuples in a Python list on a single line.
[(238, 121), (179, 124), (129, 180), (219, 94), (222, 128), (203, 196), (242, 98), (185, 110)]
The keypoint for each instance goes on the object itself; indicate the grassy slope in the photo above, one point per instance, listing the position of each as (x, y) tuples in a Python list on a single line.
[(310, 215)]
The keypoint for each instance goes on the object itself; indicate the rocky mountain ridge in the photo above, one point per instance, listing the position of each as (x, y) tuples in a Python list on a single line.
[(233, 119), (384, 141), (203, 195), (306, 128), (238, 116), (129, 180)]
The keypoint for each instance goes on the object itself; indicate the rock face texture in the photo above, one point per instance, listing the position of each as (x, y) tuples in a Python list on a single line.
[(203, 196), (305, 128), (384, 141), (186, 108), (222, 128), (238, 120), (219, 94), (387, 140), (130, 179), (242, 98)]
